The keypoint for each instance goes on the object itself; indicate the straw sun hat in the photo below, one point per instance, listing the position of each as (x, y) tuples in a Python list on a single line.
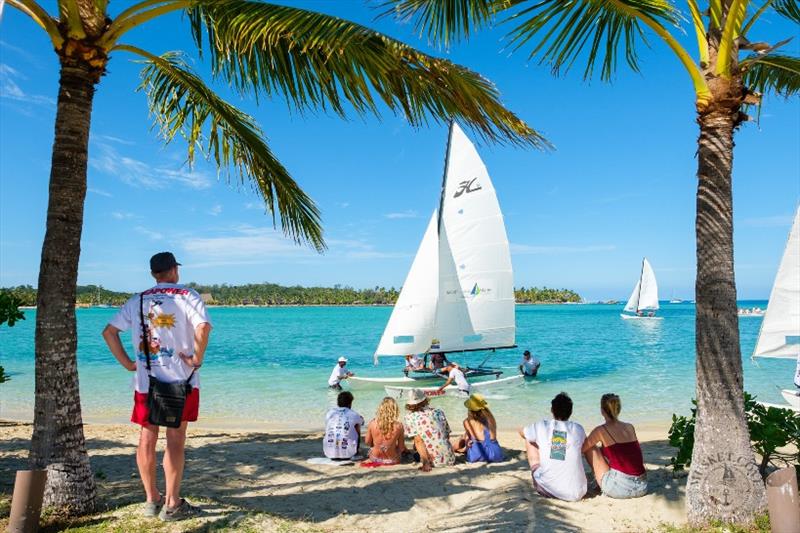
[(476, 402)]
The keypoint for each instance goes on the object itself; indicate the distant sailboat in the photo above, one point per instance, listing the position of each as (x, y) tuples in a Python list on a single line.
[(643, 302), (780, 330), (459, 293)]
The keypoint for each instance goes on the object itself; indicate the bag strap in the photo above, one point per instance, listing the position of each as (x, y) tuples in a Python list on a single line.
[(145, 339)]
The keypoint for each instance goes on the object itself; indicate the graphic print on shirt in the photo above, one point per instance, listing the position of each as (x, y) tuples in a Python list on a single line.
[(338, 432), (157, 320), (558, 445)]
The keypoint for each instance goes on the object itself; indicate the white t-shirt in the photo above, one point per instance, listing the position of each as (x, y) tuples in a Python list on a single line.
[(336, 376), (561, 472), (172, 312), (529, 366), (341, 437), (460, 379), (414, 362)]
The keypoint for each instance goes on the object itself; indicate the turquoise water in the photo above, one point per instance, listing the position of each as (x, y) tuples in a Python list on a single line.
[(271, 365)]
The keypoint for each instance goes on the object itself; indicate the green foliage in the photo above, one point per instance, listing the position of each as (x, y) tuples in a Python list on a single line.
[(546, 295), (788, 8), (9, 308), (760, 525), (772, 432), (779, 74), (182, 103)]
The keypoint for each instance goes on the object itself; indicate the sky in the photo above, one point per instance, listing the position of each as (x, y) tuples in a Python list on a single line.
[(619, 185)]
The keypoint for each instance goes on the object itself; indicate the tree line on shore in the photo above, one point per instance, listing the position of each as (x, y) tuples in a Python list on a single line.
[(273, 294)]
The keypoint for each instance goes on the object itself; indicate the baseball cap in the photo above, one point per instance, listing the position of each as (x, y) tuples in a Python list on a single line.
[(162, 261), (342, 359)]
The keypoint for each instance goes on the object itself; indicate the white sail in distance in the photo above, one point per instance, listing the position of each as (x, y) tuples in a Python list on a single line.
[(411, 325), (645, 294), (780, 328), (476, 280)]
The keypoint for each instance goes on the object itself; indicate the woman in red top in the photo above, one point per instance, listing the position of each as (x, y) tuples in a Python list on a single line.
[(615, 455)]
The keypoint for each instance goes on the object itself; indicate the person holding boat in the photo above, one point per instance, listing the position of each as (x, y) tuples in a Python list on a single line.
[(479, 443), (338, 374), (613, 451), (529, 366), (431, 433), (454, 373)]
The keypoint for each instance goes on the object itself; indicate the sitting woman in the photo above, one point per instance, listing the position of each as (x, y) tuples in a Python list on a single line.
[(618, 465), (385, 435), (431, 433), (479, 442)]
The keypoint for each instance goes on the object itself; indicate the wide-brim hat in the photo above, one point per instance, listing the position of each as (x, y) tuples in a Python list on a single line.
[(343, 359), (476, 402), (415, 397)]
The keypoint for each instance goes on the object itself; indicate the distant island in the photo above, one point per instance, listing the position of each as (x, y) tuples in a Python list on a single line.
[(271, 294)]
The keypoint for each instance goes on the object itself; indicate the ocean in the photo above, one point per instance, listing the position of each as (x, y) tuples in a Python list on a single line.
[(267, 368)]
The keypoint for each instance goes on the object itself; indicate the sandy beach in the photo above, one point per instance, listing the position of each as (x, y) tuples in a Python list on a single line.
[(261, 480)]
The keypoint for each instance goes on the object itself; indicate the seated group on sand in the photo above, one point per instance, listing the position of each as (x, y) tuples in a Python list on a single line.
[(555, 447)]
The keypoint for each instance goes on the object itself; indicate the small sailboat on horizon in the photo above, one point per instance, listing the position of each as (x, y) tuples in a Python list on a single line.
[(459, 292), (643, 302), (779, 336)]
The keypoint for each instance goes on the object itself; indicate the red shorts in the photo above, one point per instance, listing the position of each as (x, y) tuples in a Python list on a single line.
[(141, 412)]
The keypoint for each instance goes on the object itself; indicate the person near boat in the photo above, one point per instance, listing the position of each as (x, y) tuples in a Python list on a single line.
[(553, 447), (479, 443), (339, 373), (529, 366), (431, 433), (386, 435), (342, 429), (178, 328), (454, 373), (439, 361), (413, 362), (614, 453)]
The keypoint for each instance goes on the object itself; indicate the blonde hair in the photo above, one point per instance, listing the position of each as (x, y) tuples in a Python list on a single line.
[(611, 405), (387, 415)]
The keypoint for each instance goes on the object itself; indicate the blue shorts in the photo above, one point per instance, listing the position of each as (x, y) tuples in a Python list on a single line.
[(616, 484)]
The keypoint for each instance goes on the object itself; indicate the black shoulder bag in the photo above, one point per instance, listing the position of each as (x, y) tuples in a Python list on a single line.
[(165, 401)]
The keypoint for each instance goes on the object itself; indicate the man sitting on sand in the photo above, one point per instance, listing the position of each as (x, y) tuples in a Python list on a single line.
[(342, 429), (554, 453), (454, 373)]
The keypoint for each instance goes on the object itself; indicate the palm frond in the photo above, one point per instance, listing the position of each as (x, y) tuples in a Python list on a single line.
[(321, 62), (445, 21), (592, 28), (788, 8), (182, 104), (773, 73)]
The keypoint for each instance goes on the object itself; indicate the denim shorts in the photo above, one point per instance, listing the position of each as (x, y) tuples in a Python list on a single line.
[(616, 484)]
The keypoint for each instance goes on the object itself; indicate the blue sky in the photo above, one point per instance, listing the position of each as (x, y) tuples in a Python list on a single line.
[(619, 186)]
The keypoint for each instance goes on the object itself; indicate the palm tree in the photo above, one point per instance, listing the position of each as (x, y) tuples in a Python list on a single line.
[(730, 74), (314, 61)]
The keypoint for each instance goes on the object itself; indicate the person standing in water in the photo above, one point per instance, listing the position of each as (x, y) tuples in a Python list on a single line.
[(454, 373), (529, 366), (338, 374)]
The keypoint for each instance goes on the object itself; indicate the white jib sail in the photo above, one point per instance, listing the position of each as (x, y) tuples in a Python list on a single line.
[(411, 326), (780, 328), (476, 281), (645, 294)]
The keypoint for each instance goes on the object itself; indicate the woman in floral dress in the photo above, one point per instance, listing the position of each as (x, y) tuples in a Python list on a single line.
[(431, 433)]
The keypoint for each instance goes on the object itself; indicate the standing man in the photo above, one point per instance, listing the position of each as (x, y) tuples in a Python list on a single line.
[(338, 374), (529, 366), (178, 328)]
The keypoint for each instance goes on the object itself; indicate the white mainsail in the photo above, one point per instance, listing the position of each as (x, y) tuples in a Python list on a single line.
[(459, 294), (645, 294), (780, 329), (411, 326)]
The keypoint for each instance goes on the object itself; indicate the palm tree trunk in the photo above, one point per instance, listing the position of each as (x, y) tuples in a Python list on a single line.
[(58, 442), (724, 482)]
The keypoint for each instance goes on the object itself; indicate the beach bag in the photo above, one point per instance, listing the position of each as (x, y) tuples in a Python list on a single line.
[(165, 401)]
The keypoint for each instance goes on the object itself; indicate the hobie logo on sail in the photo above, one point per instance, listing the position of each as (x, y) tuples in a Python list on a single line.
[(475, 290), (467, 186)]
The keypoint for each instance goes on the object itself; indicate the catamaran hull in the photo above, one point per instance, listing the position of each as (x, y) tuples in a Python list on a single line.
[(633, 317), (792, 397), (452, 390), (382, 382)]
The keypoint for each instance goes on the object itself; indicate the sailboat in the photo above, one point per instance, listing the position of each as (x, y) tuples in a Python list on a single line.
[(780, 330), (643, 302), (459, 293)]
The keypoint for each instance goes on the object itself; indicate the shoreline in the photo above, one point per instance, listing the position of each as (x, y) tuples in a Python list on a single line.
[(265, 476)]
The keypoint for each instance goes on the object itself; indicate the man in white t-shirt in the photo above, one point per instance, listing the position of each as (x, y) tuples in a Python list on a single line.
[(554, 453), (177, 335), (342, 429), (413, 362), (529, 366), (454, 373), (338, 374)]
